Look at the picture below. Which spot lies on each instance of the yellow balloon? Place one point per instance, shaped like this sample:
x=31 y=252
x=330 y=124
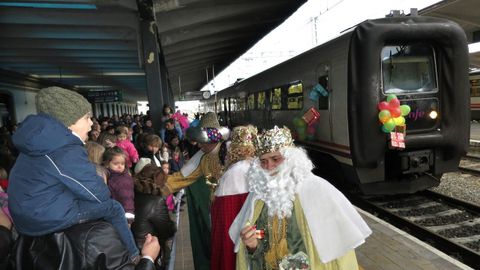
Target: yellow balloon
x=399 y=121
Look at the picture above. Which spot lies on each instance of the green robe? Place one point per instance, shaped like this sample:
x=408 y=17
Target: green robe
x=297 y=229
x=198 y=202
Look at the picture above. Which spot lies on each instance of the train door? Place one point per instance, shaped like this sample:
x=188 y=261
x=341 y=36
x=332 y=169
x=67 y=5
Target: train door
x=268 y=109
x=324 y=89
x=226 y=110
x=262 y=109
x=475 y=95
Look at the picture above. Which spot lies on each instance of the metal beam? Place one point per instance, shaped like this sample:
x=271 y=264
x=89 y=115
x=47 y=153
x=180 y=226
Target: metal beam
x=74 y=44
x=205 y=57
x=206 y=41
x=67 y=32
x=218 y=28
x=105 y=18
x=66 y=53
x=182 y=18
x=78 y=60
x=200 y=50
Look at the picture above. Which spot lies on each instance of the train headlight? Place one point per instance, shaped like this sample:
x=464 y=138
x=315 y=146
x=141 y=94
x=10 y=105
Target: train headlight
x=433 y=114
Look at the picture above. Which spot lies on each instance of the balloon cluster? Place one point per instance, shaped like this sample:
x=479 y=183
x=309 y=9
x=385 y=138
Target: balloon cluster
x=391 y=113
x=302 y=130
x=300 y=127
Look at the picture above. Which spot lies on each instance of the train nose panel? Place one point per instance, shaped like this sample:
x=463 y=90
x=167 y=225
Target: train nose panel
x=417 y=161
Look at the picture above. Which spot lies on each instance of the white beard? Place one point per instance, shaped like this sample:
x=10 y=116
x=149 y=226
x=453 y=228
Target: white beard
x=277 y=188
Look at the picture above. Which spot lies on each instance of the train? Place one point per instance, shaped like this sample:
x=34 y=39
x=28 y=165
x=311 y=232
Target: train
x=475 y=95
x=421 y=60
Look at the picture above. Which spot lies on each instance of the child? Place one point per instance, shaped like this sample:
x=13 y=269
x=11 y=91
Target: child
x=119 y=181
x=170 y=200
x=176 y=162
x=107 y=140
x=165 y=167
x=126 y=145
x=95 y=152
x=103 y=172
x=165 y=154
x=53 y=184
x=6 y=239
x=152 y=144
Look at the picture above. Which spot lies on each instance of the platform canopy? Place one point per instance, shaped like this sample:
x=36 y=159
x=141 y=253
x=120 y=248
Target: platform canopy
x=97 y=44
x=464 y=12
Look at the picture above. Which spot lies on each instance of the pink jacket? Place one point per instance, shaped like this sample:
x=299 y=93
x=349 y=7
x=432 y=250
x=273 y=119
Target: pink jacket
x=129 y=148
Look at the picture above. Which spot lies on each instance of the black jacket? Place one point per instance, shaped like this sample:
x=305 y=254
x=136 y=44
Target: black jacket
x=151 y=216
x=92 y=245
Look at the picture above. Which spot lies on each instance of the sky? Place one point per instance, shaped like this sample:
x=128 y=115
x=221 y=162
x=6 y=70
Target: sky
x=316 y=22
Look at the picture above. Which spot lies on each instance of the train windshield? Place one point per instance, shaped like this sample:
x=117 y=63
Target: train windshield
x=408 y=69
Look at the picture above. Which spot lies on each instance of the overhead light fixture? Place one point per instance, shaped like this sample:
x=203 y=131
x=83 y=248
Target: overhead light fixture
x=48 y=5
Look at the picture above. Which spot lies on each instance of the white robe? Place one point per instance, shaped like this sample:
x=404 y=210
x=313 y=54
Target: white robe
x=334 y=223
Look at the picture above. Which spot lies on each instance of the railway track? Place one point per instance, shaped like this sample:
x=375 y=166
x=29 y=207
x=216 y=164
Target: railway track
x=470 y=164
x=449 y=224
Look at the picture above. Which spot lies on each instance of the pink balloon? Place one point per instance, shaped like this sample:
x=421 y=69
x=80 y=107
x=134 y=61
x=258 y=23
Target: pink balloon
x=383 y=106
x=394 y=103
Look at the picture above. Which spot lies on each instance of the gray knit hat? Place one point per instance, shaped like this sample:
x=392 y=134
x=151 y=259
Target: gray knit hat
x=65 y=105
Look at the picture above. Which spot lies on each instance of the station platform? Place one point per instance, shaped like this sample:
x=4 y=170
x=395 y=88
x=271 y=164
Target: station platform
x=388 y=248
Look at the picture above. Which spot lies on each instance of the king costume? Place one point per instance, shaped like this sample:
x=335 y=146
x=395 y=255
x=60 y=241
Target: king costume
x=197 y=176
x=298 y=213
x=230 y=195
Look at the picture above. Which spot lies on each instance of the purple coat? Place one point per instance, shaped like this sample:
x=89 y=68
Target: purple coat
x=121 y=187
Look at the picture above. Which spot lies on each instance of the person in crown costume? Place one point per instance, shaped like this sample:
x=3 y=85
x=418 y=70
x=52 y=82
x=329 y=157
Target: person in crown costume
x=293 y=219
x=199 y=176
x=230 y=194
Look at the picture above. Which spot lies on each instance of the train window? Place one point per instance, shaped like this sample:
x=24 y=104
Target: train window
x=408 y=69
x=240 y=104
x=250 y=102
x=295 y=96
x=475 y=86
x=261 y=100
x=323 y=99
x=276 y=98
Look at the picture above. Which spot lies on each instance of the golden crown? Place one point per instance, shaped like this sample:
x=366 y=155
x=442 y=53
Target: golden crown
x=244 y=135
x=273 y=140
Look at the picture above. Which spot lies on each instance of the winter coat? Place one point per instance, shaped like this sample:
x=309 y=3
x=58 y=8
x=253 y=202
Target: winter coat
x=175 y=165
x=91 y=245
x=130 y=150
x=51 y=174
x=151 y=216
x=121 y=187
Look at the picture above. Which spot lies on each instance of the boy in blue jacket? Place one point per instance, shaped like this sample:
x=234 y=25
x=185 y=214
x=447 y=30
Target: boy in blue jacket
x=53 y=185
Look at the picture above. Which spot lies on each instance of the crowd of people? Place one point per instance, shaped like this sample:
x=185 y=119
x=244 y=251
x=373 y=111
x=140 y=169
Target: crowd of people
x=85 y=193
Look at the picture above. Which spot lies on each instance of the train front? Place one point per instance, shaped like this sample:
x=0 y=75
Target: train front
x=408 y=102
